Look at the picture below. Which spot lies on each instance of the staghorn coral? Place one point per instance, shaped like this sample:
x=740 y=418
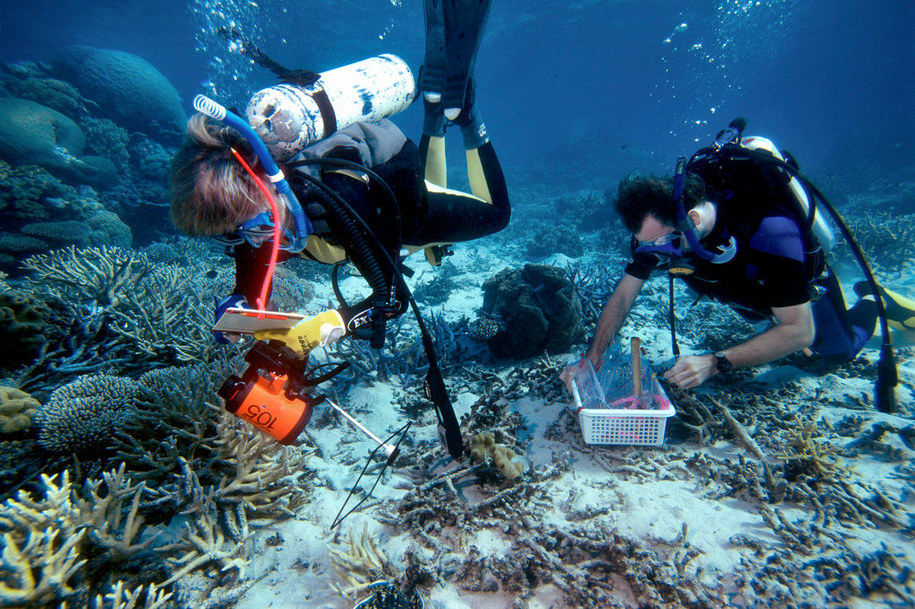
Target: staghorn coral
x=95 y=276
x=66 y=545
x=204 y=545
x=158 y=310
x=82 y=416
x=142 y=597
x=17 y=408
x=888 y=240
x=359 y=564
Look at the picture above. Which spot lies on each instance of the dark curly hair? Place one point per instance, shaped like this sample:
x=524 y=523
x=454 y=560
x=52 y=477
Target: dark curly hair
x=640 y=195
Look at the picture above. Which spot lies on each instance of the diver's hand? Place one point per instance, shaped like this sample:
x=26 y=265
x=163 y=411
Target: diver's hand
x=232 y=301
x=692 y=370
x=322 y=329
x=570 y=373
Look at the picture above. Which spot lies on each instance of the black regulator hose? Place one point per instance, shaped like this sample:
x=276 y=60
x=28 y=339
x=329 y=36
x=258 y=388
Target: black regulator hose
x=449 y=428
x=887 y=375
x=383 y=292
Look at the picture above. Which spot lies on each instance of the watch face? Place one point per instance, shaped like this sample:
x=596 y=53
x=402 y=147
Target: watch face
x=722 y=362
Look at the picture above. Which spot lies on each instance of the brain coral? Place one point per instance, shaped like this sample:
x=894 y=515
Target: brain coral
x=81 y=417
x=128 y=88
x=16 y=410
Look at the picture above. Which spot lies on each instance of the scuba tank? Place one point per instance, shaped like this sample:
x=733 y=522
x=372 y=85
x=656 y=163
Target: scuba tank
x=290 y=116
x=820 y=228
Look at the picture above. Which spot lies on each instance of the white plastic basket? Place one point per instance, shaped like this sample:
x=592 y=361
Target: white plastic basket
x=624 y=419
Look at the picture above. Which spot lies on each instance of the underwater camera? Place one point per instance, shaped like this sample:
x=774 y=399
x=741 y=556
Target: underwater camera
x=268 y=394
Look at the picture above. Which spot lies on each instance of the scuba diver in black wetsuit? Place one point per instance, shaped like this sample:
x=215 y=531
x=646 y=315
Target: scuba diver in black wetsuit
x=362 y=193
x=737 y=224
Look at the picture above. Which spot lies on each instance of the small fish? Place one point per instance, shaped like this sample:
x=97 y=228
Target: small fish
x=211 y=274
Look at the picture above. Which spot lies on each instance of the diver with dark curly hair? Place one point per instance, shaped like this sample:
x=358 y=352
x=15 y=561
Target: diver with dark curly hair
x=732 y=224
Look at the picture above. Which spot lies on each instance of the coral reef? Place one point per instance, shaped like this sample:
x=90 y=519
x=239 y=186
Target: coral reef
x=484 y=328
x=82 y=416
x=127 y=88
x=56 y=94
x=538 y=307
x=548 y=238
x=73 y=544
x=155 y=309
x=888 y=240
x=17 y=408
x=23 y=327
x=483 y=446
x=106 y=139
x=32 y=134
x=150 y=158
x=40 y=213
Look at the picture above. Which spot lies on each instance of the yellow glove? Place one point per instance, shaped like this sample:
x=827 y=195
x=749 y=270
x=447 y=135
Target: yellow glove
x=322 y=329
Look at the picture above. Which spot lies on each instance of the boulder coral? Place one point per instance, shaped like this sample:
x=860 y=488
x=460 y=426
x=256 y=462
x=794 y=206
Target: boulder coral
x=23 y=327
x=537 y=308
x=16 y=410
x=32 y=134
x=128 y=89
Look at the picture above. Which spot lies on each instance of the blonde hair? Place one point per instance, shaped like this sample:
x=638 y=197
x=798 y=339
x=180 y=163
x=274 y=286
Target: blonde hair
x=210 y=193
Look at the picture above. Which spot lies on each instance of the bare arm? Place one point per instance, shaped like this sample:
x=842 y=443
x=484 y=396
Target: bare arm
x=611 y=319
x=794 y=331
x=613 y=316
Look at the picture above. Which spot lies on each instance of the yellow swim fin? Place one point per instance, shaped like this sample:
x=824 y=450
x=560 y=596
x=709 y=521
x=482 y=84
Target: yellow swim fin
x=900 y=311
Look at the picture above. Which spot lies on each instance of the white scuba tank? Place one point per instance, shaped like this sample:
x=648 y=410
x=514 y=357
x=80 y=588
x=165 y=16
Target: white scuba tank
x=289 y=117
x=821 y=229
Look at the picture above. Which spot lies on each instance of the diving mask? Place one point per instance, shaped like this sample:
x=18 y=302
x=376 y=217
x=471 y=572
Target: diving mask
x=256 y=231
x=671 y=245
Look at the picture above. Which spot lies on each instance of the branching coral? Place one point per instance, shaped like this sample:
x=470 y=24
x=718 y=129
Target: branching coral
x=44 y=545
x=204 y=545
x=83 y=415
x=93 y=276
x=156 y=309
x=359 y=564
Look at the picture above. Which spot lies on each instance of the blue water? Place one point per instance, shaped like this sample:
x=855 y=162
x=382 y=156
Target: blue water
x=590 y=89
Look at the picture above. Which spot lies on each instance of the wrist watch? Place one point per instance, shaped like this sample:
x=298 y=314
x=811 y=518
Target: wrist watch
x=722 y=363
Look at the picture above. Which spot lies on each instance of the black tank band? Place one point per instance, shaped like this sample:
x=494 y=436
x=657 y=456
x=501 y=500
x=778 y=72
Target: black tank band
x=327 y=110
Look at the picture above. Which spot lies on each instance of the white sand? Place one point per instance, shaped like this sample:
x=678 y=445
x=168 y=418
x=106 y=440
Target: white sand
x=297 y=573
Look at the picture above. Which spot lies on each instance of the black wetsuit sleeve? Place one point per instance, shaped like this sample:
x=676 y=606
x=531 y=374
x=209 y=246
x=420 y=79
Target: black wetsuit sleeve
x=251 y=267
x=641 y=265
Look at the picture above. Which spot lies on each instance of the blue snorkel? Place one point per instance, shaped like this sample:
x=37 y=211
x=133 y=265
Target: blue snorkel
x=687 y=228
x=303 y=226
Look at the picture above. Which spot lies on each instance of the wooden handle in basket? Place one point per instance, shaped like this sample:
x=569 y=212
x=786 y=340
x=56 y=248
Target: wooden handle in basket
x=636 y=367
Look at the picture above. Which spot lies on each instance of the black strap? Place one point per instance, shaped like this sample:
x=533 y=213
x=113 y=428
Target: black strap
x=304 y=78
x=327 y=110
x=673 y=317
